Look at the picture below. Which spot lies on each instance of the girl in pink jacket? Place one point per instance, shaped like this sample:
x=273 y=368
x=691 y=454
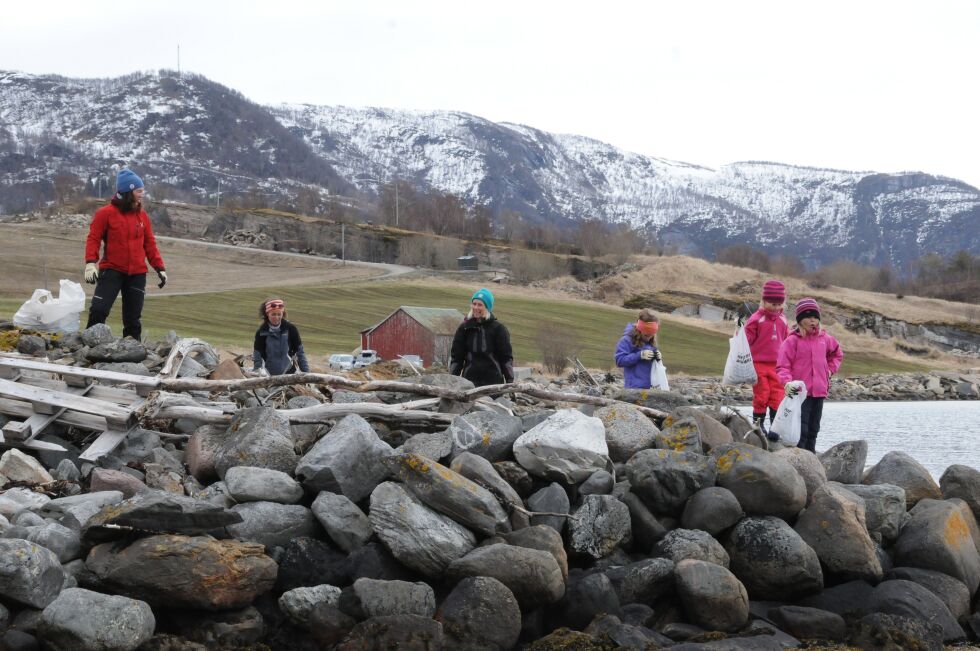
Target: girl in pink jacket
x=811 y=355
x=765 y=331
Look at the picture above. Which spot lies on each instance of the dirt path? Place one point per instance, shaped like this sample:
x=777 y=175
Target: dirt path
x=37 y=255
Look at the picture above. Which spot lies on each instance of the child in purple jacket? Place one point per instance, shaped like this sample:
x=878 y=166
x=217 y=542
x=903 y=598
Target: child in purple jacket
x=637 y=349
x=812 y=355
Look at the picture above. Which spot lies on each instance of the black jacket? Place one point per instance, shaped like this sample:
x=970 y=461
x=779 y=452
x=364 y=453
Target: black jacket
x=481 y=352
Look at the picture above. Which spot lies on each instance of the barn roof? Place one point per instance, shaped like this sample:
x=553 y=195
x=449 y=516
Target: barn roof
x=439 y=320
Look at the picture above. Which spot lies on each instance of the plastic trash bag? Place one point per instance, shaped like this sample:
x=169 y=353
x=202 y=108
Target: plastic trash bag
x=42 y=311
x=787 y=423
x=658 y=376
x=739 y=368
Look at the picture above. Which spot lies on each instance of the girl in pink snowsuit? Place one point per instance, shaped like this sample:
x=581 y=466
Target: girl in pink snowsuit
x=812 y=355
x=765 y=331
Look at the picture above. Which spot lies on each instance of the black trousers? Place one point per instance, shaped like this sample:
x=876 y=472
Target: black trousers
x=133 y=288
x=810 y=414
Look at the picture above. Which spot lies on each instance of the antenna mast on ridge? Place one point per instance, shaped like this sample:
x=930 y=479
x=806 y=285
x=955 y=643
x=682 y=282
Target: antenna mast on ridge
x=178 y=59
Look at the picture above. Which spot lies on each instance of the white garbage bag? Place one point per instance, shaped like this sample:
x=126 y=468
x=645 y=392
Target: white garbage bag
x=787 y=423
x=42 y=311
x=658 y=376
x=739 y=368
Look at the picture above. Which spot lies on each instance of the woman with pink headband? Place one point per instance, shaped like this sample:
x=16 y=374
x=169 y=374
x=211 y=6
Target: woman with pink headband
x=637 y=350
x=277 y=345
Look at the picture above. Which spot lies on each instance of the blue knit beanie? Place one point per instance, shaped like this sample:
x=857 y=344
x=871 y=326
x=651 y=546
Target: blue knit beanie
x=127 y=181
x=483 y=294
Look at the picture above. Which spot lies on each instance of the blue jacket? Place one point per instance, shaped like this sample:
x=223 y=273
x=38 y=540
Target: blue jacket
x=636 y=371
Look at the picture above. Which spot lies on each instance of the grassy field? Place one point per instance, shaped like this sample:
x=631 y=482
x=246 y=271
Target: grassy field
x=330 y=318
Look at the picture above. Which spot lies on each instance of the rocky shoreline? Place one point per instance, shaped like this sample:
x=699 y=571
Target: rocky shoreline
x=936 y=385
x=558 y=517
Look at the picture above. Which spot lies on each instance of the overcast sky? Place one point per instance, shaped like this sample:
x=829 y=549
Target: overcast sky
x=861 y=85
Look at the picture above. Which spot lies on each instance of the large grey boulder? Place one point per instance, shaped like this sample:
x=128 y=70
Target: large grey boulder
x=628 y=431
x=98 y=334
x=937 y=537
x=64 y=542
x=952 y=592
x=844 y=462
x=900 y=469
x=200 y=452
x=373 y=598
x=417 y=536
x=480 y=614
x=489 y=434
x=109 y=623
x=402 y=632
x=884 y=510
x=482 y=472
x=544 y=539
x=834 y=526
x=712 y=509
x=82 y=507
x=346 y=524
x=644 y=581
x=680 y=544
x=119 y=350
x=18 y=499
x=347 y=460
x=681 y=435
x=550 y=499
x=772 y=560
x=298 y=604
x=160 y=512
x=104 y=479
x=763 y=483
x=432 y=445
x=599 y=526
x=884 y=631
x=962 y=482
x=533 y=576
x=807 y=465
x=184 y=571
x=29 y=574
x=261 y=438
x=665 y=479
x=809 y=623
x=713 y=597
x=711 y=431
x=273 y=524
x=569 y=446
x=909 y=599
x=17 y=466
x=251 y=484
x=450 y=493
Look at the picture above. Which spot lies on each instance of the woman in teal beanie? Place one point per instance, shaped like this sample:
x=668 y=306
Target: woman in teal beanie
x=481 y=350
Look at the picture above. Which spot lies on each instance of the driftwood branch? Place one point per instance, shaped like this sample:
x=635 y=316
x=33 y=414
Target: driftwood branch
x=182 y=349
x=192 y=384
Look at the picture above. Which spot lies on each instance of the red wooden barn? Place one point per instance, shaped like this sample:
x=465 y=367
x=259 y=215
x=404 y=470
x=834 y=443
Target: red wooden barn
x=423 y=331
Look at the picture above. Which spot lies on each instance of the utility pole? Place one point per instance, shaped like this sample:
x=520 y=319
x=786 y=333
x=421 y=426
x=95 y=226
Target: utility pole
x=343 y=241
x=219 y=193
x=396 y=203
x=178 y=60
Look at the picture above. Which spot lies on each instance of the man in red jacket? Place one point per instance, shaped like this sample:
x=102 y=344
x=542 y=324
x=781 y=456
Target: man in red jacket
x=124 y=228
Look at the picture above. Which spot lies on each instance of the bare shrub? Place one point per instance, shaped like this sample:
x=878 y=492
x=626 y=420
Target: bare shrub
x=556 y=344
x=527 y=266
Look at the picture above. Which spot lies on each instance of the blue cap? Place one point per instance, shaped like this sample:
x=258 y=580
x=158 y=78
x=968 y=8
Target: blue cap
x=483 y=294
x=127 y=181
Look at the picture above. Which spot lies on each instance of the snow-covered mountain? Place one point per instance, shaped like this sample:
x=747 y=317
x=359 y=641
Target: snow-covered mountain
x=192 y=132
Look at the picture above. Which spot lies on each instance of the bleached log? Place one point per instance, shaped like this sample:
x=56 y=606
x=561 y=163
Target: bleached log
x=192 y=384
x=182 y=349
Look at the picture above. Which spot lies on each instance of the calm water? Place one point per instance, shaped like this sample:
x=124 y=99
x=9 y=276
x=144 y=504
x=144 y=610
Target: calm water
x=936 y=434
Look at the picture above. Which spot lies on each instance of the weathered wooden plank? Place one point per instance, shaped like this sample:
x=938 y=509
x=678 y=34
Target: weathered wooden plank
x=111 y=377
x=16 y=430
x=34 y=444
x=106 y=443
x=19 y=409
x=37 y=395
x=39 y=422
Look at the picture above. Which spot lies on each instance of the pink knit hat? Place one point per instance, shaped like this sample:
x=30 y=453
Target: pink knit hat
x=807 y=307
x=774 y=291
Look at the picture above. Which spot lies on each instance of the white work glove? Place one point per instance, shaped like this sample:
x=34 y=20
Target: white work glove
x=163 y=278
x=657 y=356
x=791 y=389
x=646 y=354
x=91 y=272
